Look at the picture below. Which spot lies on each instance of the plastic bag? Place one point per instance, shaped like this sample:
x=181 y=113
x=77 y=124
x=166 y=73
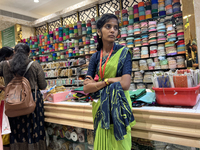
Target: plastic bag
x=5 y=122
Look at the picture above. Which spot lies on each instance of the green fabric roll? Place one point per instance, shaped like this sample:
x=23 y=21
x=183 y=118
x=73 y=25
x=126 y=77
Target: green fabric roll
x=154 y=11
x=131 y=16
x=134 y=95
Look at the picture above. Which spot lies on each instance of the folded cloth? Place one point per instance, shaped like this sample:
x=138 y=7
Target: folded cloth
x=164 y=81
x=148 y=98
x=134 y=95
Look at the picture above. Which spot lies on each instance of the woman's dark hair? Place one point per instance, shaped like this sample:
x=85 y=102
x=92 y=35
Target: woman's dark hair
x=5 y=52
x=100 y=23
x=20 y=59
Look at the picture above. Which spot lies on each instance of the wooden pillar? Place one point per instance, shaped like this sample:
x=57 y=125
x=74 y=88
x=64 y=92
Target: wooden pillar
x=78 y=18
x=61 y=21
x=97 y=9
x=47 y=25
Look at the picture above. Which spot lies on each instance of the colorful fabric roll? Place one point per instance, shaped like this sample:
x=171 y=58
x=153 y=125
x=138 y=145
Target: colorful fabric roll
x=161 y=50
x=144 y=52
x=176 y=7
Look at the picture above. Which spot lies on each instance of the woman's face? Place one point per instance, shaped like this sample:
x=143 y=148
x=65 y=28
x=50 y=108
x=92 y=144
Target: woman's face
x=109 y=31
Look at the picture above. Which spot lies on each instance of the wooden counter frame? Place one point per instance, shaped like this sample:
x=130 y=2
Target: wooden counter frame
x=181 y=128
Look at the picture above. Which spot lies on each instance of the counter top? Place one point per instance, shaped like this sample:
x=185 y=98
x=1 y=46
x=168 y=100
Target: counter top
x=166 y=124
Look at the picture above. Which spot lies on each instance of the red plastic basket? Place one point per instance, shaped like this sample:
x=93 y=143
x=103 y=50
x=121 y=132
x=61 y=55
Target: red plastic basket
x=177 y=96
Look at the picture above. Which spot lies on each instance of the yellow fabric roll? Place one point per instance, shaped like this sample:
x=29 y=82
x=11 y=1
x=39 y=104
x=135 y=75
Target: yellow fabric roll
x=148 y=16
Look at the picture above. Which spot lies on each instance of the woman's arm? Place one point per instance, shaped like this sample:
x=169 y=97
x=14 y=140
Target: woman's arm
x=125 y=81
x=94 y=87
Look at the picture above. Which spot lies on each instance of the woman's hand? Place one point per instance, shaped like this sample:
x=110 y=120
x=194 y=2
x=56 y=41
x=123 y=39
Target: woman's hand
x=90 y=80
x=2 y=87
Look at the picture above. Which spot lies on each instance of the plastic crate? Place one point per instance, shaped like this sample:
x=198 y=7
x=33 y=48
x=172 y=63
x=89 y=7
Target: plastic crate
x=177 y=96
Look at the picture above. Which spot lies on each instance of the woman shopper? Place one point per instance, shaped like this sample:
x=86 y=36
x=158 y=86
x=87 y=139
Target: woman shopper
x=27 y=132
x=6 y=53
x=112 y=113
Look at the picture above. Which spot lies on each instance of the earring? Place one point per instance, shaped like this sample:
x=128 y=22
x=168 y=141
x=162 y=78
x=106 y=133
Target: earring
x=99 y=36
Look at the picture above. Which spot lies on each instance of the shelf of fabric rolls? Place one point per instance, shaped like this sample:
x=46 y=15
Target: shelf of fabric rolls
x=172 y=125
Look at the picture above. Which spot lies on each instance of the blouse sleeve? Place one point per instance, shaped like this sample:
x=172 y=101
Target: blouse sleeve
x=41 y=78
x=92 y=66
x=127 y=69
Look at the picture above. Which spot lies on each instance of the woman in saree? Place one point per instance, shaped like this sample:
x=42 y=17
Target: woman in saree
x=111 y=111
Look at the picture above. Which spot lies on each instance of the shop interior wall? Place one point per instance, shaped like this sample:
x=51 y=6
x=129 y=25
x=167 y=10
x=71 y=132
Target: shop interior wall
x=27 y=32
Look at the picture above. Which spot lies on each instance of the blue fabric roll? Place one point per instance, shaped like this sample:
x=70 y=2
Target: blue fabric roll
x=141 y=13
x=141 y=8
x=154 y=2
x=162 y=13
x=168 y=2
x=136 y=19
x=131 y=21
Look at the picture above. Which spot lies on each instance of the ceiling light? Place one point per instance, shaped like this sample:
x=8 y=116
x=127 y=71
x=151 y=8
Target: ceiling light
x=189 y=15
x=36 y=1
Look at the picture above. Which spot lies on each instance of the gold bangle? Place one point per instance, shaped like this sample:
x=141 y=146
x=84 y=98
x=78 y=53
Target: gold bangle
x=96 y=86
x=106 y=80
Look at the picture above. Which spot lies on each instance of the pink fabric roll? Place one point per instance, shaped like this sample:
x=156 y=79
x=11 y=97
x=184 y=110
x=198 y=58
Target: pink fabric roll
x=136 y=11
x=60 y=38
x=152 y=23
x=148 y=12
x=162 y=39
x=124 y=35
x=152 y=30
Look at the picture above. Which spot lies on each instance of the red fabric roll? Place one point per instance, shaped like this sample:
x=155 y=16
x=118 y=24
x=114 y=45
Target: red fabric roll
x=142 y=18
x=124 y=11
x=136 y=11
x=125 y=22
x=140 y=4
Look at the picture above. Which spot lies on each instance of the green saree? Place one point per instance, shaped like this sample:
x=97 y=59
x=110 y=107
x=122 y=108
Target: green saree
x=112 y=136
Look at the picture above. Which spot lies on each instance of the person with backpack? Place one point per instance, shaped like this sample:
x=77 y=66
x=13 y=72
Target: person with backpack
x=6 y=53
x=22 y=77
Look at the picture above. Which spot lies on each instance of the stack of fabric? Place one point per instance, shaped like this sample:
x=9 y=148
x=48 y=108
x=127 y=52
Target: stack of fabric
x=153 y=38
x=71 y=31
x=89 y=28
x=154 y=8
x=130 y=30
x=152 y=26
x=170 y=48
x=161 y=50
x=129 y=42
x=181 y=47
x=171 y=62
x=161 y=32
x=145 y=39
x=144 y=52
x=135 y=65
x=136 y=13
x=75 y=29
x=124 y=32
x=79 y=27
x=131 y=15
x=94 y=27
x=180 y=61
x=136 y=53
x=148 y=77
x=150 y=64
x=176 y=6
x=148 y=10
x=84 y=28
x=153 y=51
x=143 y=65
x=161 y=8
x=164 y=63
x=122 y=42
x=67 y=31
x=138 y=77
x=117 y=13
x=157 y=63
x=138 y=42
x=180 y=32
x=144 y=27
x=171 y=32
x=125 y=17
x=168 y=7
x=136 y=28
x=141 y=11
